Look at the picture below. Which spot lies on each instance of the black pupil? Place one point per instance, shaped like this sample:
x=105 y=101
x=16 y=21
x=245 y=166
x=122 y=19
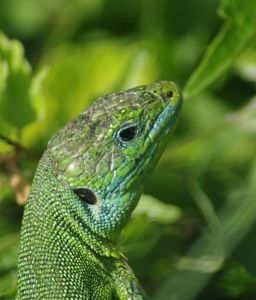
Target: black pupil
x=86 y=195
x=127 y=134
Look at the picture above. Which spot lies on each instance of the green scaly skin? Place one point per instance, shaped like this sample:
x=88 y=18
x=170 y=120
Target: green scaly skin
x=69 y=246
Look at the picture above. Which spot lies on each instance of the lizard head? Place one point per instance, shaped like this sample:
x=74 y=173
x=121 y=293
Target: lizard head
x=106 y=152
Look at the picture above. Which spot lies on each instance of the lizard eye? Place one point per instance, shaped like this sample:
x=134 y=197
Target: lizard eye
x=127 y=133
x=85 y=195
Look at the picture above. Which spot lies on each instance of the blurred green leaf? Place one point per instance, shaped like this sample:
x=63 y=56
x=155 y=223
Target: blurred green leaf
x=30 y=17
x=246 y=65
x=149 y=215
x=208 y=254
x=140 y=236
x=237 y=34
x=15 y=76
x=9 y=245
x=237 y=280
x=157 y=211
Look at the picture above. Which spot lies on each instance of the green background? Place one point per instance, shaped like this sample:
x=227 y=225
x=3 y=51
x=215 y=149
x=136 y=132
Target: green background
x=192 y=235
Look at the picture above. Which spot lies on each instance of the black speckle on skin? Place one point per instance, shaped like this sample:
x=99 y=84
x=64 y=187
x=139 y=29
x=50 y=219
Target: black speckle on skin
x=93 y=127
x=86 y=117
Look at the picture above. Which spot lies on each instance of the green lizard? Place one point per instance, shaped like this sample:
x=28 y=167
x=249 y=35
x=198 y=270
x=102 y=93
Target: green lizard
x=87 y=184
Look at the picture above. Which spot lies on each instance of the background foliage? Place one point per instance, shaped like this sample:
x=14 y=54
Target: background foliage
x=193 y=233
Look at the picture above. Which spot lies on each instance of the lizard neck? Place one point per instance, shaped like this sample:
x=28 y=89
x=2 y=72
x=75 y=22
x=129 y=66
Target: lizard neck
x=57 y=241
x=58 y=248
x=57 y=201
x=103 y=220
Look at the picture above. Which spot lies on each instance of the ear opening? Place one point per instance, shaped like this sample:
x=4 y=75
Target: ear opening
x=86 y=195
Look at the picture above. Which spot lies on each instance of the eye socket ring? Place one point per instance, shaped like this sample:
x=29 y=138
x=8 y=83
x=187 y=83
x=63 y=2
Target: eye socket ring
x=127 y=133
